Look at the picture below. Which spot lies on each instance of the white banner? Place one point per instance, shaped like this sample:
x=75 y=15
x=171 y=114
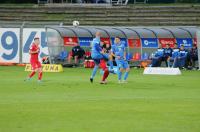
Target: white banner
x=161 y=71
x=9 y=45
x=28 y=35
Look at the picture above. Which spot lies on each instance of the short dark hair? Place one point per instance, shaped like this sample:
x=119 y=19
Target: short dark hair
x=118 y=37
x=37 y=38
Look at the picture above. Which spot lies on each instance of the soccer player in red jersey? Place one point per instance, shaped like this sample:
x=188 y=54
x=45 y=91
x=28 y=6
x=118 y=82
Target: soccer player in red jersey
x=35 y=63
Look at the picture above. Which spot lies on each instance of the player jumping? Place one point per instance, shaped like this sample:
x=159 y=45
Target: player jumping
x=98 y=54
x=35 y=64
x=119 y=51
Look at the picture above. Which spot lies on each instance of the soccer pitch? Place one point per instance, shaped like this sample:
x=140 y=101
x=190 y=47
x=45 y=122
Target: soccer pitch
x=68 y=102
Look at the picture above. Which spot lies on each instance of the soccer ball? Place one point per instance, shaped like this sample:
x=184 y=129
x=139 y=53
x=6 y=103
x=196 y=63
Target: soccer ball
x=75 y=23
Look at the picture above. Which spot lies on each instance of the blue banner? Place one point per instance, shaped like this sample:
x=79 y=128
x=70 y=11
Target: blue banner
x=85 y=41
x=123 y=41
x=187 y=42
x=149 y=42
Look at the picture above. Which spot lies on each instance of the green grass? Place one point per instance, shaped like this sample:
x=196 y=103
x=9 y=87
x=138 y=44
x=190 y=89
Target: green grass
x=67 y=102
x=22 y=5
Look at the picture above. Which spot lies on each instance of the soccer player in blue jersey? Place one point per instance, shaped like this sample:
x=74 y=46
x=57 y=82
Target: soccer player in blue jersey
x=167 y=54
x=157 y=58
x=119 y=51
x=175 y=54
x=97 y=55
x=182 y=57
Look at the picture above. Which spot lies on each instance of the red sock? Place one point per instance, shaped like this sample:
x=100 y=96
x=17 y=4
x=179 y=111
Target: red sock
x=105 y=75
x=32 y=74
x=40 y=76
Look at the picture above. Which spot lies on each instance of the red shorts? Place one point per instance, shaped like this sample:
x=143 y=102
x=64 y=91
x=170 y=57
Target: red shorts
x=35 y=65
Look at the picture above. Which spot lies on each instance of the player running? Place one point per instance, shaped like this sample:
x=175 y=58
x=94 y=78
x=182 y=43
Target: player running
x=119 y=51
x=35 y=64
x=99 y=54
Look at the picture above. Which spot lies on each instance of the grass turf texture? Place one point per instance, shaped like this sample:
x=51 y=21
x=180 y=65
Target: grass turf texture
x=67 y=102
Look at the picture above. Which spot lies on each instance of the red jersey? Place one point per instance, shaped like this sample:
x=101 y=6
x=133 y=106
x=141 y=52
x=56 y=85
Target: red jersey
x=33 y=48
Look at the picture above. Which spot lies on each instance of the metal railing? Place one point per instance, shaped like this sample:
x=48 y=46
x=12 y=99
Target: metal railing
x=119 y=2
x=85 y=2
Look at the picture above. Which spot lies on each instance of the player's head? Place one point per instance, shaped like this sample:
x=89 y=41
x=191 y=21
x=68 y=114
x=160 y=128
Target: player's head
x=98 y=34
x=167 y=46
x=160 y=46
x=117 y=40
x=37 y=40
x=182 y=47
x=107 y=45
x=175 y=45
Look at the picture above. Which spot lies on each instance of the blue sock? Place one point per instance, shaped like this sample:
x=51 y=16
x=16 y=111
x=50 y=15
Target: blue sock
x=94 y=71
x=126 y=75
x=119 y=75
x=111 y=64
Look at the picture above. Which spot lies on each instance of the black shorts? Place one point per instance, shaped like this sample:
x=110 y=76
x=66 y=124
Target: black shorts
x=97 y=61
